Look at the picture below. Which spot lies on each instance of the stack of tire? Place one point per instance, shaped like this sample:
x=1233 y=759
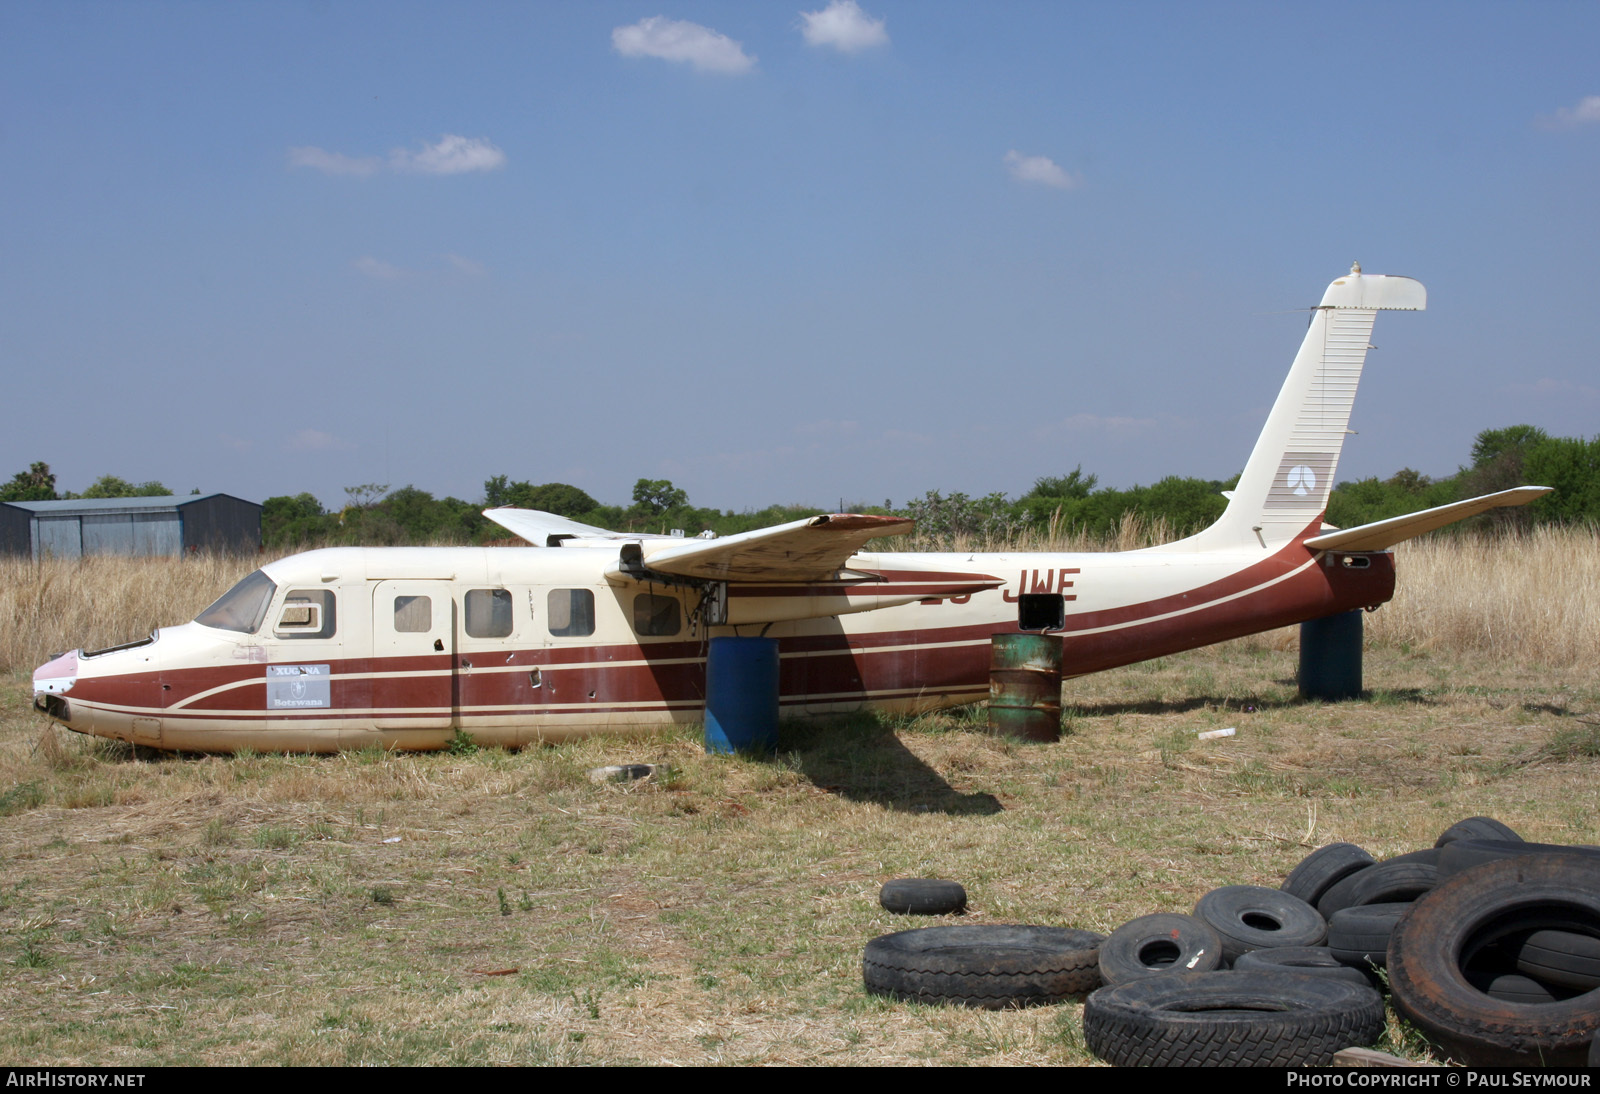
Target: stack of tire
x=1492 y=949
x=1242 y=982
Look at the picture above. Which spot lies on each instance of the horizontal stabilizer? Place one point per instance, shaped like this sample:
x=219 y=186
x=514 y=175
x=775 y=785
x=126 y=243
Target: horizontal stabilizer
x=814 y=549
x=1386 y=533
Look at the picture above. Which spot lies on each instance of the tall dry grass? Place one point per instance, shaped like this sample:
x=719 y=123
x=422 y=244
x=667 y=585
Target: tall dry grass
x=1134 y=530
x=89 y=603
x=1531 y=599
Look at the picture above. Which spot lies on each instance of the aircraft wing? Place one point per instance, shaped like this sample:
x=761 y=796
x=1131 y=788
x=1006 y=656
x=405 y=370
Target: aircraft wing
x=548 y=530
x=1386 y=533
x=813 y=549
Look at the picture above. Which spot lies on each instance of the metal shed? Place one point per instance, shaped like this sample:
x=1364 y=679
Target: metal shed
x=168 y=525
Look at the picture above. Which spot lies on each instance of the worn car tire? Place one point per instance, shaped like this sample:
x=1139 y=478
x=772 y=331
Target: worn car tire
x=922 y=896
x=1230 y=1019
x=1476 y=828
x=1513 y=987
x=1429 y=855
x=1446 y=929
x=1304 y=961
x=1159 y=945
x=992 y=967
x=1360 y=936
x=1564 y=958
x=1464 y=854
x=1323 y=868
x=1392 y=883
x=1251 y=917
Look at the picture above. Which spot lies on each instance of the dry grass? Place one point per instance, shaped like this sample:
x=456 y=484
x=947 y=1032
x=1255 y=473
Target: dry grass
x=500 y=908
x=1134 y=531
x=1531 y=598
x=63 y=604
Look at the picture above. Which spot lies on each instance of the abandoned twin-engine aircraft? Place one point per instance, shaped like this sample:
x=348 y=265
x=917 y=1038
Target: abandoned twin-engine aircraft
x=592 y=630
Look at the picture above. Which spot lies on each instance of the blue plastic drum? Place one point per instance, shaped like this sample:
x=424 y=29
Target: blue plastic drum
x=742 y=695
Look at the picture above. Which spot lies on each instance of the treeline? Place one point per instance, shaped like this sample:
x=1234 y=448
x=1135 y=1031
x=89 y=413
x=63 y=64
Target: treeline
x=377 y=516
x=1521 y=455
x=38 y=483
x=1069 y=504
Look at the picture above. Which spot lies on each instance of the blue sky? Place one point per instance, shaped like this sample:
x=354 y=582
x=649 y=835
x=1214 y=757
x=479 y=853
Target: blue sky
x=777 y=252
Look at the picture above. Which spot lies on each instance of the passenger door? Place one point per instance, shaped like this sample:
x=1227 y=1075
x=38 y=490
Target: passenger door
x=413 y=667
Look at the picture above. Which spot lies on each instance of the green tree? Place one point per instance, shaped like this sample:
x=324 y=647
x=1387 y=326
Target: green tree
x=560 y=498
x=1492 y=444
x=110 y=486
x=652 y=497
x=296 y=521
x=37 y=483
x=1572 y=466
x=365 y=496
x=1499 y=458
x=1074 y=484
x=1367 y=500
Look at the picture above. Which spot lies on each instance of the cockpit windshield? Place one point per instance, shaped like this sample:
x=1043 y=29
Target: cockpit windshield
x=241 y=608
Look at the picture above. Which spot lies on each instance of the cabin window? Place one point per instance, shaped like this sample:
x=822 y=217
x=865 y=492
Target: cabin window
x=241 y=608
x=656 y=615
x=488 y=613
x=571 y=612
x=413 y=614
x=306 y=613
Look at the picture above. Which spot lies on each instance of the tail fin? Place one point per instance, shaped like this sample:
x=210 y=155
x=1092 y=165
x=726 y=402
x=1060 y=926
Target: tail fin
x=1285 y=485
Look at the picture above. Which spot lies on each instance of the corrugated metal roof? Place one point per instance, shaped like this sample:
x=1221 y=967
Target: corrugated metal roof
x=163 y=503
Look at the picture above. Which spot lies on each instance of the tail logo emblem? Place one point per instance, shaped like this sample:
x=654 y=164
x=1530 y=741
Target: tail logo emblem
x=1302 y=480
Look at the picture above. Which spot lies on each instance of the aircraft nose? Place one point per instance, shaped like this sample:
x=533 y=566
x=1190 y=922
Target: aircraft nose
x=57 y=675
x=52 y=680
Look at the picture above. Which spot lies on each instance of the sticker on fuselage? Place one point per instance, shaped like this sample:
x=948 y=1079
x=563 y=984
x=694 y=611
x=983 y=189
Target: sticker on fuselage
x=298 y=687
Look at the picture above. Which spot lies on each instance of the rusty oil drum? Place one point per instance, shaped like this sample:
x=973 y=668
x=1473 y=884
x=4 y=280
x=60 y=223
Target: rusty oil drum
x=1025 y=686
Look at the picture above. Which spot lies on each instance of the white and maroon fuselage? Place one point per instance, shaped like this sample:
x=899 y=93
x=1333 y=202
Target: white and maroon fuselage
x=209 y=688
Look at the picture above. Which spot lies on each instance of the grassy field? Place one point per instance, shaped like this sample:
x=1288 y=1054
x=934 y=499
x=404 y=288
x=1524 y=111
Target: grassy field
x=502 y=908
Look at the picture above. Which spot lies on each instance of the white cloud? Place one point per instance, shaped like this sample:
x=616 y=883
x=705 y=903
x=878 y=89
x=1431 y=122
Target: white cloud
x=332 y=163
x=452 y=155
x=1040 y=169
x=374 y=267
x=844 y=26
x=1586 y=112
x=674 y=40
x=467 y=266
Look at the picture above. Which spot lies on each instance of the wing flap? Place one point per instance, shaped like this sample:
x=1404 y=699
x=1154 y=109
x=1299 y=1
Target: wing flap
x=1386 y=533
